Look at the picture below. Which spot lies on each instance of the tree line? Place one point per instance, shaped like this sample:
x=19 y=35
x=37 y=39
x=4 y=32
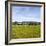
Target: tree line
x=29 y=23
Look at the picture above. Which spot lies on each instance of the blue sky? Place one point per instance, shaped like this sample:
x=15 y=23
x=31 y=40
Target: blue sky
x=25 y=13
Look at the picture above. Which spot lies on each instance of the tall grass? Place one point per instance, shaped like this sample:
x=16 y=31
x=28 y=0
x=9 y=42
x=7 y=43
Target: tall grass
x=25 y=31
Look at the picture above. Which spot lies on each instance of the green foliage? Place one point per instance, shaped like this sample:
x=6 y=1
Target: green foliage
x=25 y=31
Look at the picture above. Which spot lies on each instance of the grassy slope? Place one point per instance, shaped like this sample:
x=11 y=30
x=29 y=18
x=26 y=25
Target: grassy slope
x=25 y=31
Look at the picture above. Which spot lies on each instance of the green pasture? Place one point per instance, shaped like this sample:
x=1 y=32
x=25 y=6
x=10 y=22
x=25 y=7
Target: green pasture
x=25 y=31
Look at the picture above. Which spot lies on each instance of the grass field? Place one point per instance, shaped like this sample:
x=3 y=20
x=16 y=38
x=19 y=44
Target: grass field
x=25 y=31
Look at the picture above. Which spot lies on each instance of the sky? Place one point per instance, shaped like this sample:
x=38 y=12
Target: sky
x=25 y=13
